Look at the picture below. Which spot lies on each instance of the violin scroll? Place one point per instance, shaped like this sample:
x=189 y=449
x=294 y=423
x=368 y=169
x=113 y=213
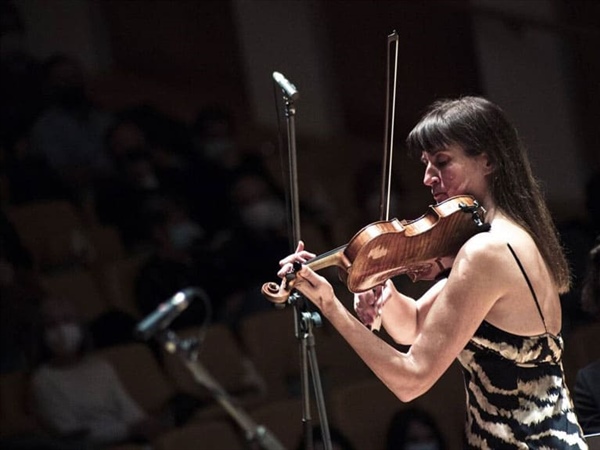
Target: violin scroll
x=275 y=293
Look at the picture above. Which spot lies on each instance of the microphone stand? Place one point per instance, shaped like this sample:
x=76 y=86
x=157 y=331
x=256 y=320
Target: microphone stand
x=187 y=350
x=304 y=319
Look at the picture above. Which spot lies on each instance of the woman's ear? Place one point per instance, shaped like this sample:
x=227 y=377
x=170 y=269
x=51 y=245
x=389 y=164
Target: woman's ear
x=487 y=164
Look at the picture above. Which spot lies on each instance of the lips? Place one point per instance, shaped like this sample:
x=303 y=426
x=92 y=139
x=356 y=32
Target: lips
x=440 y=196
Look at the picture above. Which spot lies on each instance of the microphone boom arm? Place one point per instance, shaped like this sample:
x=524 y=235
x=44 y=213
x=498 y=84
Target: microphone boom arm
x=187 y=351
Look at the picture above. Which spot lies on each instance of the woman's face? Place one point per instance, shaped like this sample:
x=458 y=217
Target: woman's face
x=450 y=172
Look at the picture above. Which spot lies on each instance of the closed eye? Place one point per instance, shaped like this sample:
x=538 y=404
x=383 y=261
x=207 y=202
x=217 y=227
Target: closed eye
x=440 y=160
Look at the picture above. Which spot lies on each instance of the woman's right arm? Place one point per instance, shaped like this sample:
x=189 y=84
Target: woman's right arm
x=401 y=315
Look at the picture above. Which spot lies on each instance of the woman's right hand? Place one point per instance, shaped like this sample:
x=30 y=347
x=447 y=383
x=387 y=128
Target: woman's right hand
x=368 y=305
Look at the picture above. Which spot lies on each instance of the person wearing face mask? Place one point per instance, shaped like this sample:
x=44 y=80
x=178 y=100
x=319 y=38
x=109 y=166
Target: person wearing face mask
x=126 y=194
x=78 y=396
x=178 y=261
x=259 y=229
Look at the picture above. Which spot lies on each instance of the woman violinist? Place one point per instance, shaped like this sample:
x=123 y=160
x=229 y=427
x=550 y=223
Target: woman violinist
x=497 y=312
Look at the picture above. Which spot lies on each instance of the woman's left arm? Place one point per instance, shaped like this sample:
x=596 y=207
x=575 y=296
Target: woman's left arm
x=476 y=282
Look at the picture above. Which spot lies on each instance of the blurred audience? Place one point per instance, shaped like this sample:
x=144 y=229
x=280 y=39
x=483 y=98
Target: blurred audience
x=27 y=178
x=178 y=261
x=69 y=134
x=586 y=392
x=149 y=154
x=215 y=160
x=414 y=429
x=258 y=229
x=127 y=196
x=20 y=295
x=590 y=294
x=578 y=237
x=20 y=77
x=78 y=395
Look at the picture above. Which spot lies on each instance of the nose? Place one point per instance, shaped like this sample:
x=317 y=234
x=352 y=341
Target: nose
x=431 y=176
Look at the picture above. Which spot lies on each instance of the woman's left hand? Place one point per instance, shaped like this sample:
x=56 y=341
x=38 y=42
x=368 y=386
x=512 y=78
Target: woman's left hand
x=315 y=287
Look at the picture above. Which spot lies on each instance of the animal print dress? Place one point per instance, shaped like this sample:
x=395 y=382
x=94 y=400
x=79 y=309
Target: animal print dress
x=517 y=397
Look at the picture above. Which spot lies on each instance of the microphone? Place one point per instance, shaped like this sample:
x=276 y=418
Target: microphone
x=164 y=314
x=289 y=89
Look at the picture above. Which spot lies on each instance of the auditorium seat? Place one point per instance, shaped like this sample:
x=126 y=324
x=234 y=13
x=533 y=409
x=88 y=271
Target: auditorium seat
x=362 y=412
x=15 y=415
x=283 y=418
x=118 y=280
x=78 y=286
x=58 y=238
x=106 y=243
x=271 y=343
x=581 y=349
x=128 y=447
x=225 y=362
x=213 y=435
x=141 y=375
x=445 y=401
x=51 y=230
x=338 y=362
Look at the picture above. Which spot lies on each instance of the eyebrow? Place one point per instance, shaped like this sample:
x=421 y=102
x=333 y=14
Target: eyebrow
x=432 y=152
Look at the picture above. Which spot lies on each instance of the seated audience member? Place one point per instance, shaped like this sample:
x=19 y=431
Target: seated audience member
x=28 y=179
x=577 y=237
x=258 y=230
x=69 y=134
x=217 y=159
x=414 y=429
x=124 y=198
x=586 y=395
x=175 y=263
x=79 y=396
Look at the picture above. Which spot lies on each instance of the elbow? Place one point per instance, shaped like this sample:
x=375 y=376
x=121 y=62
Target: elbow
x=414 y=384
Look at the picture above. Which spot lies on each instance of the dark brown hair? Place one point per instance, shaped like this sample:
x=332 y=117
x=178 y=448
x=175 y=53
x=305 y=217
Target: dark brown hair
x=479 y=126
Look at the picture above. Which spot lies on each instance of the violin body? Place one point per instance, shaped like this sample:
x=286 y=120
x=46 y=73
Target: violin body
x=385 y=249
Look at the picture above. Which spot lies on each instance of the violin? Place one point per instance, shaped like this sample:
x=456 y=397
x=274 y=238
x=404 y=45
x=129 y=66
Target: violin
x=385 y=249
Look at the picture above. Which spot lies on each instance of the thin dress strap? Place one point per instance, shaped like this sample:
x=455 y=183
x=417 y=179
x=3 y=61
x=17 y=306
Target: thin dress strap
x=528 y=284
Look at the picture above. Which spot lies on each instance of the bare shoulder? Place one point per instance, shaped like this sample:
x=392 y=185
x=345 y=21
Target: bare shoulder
x=483 y=250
